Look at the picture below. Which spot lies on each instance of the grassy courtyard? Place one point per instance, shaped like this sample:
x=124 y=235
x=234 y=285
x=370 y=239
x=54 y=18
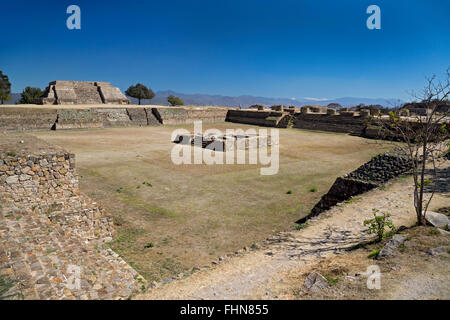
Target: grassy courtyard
x=171 y=218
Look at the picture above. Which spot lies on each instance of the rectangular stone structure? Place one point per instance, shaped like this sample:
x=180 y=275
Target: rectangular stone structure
x=82 y=92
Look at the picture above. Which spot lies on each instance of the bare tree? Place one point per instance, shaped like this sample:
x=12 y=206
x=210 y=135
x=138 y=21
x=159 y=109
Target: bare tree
x=422 y=137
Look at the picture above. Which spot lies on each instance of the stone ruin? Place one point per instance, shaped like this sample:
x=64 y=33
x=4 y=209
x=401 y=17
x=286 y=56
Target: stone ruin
x=372 y=174
x=82 y=92
x=225 y=143
x=47 y=225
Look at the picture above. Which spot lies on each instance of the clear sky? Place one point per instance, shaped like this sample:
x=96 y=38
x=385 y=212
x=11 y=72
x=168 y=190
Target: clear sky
x=284 y=48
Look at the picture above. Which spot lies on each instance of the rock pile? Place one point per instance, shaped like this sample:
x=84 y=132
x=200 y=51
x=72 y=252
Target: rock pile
x=381 y=169
x=370 y=175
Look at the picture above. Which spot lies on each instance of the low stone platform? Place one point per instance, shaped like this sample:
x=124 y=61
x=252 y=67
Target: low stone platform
x=225 y=143
x=82 y=92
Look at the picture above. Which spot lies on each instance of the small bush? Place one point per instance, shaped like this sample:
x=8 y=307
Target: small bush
x=149 y=245
x=433 y=232
x=313 y=189
x=289 y=192
x=301 y=226
x=332 y=281
x=378 y=224
x=352 y=200
x=374 y=253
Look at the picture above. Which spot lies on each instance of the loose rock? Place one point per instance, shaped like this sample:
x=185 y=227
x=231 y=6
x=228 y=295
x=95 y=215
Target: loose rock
x=390 y=249
x=436 y=219
x=316 y=282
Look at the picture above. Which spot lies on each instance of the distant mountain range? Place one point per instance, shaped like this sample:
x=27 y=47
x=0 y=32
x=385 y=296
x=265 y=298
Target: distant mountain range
x=14 y=98
x=247 y=100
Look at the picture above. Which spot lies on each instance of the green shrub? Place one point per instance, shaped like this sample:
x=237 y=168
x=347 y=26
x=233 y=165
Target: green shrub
x=332 y=281
x=374 y=253
x=149 y=245
x=378 y=224
x=433 y=232
x=301 y=226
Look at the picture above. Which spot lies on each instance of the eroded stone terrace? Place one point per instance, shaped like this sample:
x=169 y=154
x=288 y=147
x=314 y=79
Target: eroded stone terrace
x=49 y=230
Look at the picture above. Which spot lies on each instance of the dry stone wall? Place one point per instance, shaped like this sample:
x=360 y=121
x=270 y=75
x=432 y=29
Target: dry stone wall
x=20 y=119
x=173 y=115
x=48 y=227
x=266 y=118
x=138 y=116
x=78 y=119
x=316 y=119
x=345 y=123
x=44 y=183
x=30 y=118
x=372 y=174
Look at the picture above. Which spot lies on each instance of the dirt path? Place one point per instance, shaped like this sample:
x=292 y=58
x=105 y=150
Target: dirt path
x=252 y=274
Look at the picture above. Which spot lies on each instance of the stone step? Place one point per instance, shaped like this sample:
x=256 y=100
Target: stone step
x=88 y=95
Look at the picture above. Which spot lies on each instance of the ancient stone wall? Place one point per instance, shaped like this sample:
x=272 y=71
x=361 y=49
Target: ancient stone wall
x=138 y=116
x=78 y=119
x=267 y=118
x=47 y=226
x=172 y=115
x=345 y=123
x=377 y=171
x=310 y=118
x=341 y=190
x=114 y=117
x=32 y=118
x=29 y=118
x=20 y=119
x=41 y=180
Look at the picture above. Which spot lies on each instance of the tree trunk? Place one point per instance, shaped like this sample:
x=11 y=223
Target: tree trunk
x=421 y=219
x=139 y=101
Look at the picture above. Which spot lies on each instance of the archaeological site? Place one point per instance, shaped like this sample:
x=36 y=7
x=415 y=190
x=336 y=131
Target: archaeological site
x=88 y=192
x=225 y=159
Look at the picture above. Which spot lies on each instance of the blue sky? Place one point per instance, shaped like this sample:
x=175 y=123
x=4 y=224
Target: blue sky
x=291 y=49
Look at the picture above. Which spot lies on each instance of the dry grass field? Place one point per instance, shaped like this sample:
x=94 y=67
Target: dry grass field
x=171 y=218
